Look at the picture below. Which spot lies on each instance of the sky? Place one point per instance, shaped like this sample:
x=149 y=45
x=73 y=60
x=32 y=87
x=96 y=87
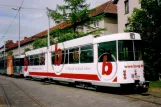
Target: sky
x=32 y=21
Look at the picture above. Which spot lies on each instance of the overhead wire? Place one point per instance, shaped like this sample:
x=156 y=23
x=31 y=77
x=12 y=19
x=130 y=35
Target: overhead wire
x=10 y=6
x=9 y=26
x=11 y=21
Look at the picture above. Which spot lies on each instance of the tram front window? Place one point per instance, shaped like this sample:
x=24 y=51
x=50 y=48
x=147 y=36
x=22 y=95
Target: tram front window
x=107 y=49
x=129 y=50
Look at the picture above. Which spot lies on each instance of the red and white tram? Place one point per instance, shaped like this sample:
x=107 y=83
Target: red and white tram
x=112 y=60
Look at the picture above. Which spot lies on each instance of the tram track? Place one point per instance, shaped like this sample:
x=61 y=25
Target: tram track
x=5 y=96
x=25 y=92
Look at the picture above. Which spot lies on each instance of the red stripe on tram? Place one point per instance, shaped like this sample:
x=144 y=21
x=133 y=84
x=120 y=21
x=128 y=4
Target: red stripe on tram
x=66 y=75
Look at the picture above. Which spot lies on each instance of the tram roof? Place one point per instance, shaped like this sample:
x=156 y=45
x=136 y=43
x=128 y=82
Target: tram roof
x=118 y=36
x=21 y=56
x=37 y=51
x=88 y=40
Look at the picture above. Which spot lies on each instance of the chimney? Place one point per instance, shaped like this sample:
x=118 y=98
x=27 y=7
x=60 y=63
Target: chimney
x=9 y=41
x=25 y=37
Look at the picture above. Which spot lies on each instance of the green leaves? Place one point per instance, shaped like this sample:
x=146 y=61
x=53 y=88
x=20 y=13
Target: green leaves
x=39 y=43
x=77 y=13
x=10 y=53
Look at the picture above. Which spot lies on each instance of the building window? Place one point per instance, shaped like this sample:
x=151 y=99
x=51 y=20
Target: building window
x=127 y=26
x=126 y=6
x=88 y=28
x=96 y=24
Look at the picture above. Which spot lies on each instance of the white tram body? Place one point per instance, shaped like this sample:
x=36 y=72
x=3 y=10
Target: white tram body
x=32 y=62
x=111 y=60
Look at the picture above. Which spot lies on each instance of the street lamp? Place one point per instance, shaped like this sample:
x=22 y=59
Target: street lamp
x=19 y=29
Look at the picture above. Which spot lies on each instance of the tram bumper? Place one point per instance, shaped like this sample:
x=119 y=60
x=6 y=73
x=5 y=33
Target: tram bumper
x=142 y=84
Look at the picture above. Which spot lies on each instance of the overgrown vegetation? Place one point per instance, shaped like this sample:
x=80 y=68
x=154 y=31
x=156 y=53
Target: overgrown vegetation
x=10 y=53
x=155 y=84
x=146 y=21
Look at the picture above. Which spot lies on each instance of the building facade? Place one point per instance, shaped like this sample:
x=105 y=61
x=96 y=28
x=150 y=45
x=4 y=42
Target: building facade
x=125 y=9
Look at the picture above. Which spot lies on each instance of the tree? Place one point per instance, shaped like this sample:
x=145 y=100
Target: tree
x=39 y=43
x=10 y=53
x=146 y=21
x=76 y=14
x=26 y=49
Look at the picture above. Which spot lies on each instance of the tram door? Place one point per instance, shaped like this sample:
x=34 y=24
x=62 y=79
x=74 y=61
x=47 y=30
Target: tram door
x=107 y=66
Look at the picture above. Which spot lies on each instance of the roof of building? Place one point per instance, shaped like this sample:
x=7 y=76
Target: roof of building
x=107 y=7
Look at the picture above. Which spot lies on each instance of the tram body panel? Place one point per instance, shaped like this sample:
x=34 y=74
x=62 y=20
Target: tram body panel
x=10 y=66
x=130 y=71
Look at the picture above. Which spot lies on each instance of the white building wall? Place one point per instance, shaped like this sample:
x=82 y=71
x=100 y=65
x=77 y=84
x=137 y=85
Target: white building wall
x=122 y=17
x=16 y=52
x=111 y=25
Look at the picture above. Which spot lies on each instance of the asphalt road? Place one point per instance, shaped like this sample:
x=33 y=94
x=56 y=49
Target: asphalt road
x=28 y=93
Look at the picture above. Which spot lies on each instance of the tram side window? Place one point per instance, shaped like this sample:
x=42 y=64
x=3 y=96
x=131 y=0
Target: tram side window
x=86 y=54
x=36 y=59
x=31 y=60
x=1 y=64
x=52 y=57
x=22 y=61
x=74 y=55
x=16 y=62
x=64 y=55
x=107 y=49
x=42 y=59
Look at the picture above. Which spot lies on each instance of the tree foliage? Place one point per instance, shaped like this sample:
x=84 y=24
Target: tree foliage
x=42 y=42
x=146 y=21
x=75 y=12
x=10 y=53
x=39 y=43
x=26 y=49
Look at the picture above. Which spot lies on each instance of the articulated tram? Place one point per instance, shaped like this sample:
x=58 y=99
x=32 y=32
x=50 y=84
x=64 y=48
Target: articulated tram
x=112 y=60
